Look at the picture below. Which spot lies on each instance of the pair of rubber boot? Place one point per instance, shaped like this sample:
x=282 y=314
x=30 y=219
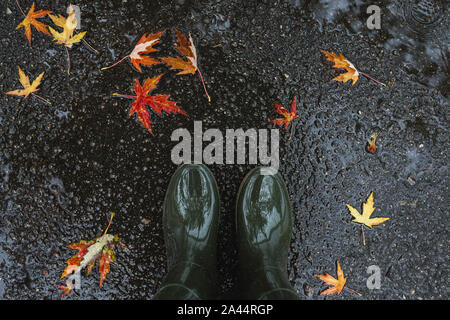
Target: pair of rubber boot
x=190 y=222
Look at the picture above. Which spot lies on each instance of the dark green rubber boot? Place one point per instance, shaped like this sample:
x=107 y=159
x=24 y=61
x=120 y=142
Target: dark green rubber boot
x=190 y=222
x=264 y=227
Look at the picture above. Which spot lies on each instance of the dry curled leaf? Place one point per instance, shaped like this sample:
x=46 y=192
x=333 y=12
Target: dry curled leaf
x=288 y=117
x=352 y=73
x=30 y=19
x=158 y=102
x=144 y=45
x=100 y=249
x=188 y=65
x=371 y=147
x=368 y=209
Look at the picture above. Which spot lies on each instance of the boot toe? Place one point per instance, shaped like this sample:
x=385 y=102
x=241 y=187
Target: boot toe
x=264 y=220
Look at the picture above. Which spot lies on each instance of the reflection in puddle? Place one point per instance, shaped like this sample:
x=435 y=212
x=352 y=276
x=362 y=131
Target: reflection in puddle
x=415 y=32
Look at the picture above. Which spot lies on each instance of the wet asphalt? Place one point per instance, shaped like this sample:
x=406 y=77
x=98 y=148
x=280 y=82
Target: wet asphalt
x=64 y=167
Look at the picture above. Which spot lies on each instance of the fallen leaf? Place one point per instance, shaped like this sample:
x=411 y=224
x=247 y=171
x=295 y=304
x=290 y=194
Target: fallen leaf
x=188 y=65
x=27 y=87
x=287 y=116
x=68 y=25
x=371 y=147
x=66 y=289
x=30 y=19
x=67 y=36
x=100 y=249
x=364 y=218
x=142 y=98
x=144 y=45
x=337 y=284
x=352 y=73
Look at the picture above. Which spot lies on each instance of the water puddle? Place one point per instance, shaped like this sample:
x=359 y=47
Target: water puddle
x=415 y=32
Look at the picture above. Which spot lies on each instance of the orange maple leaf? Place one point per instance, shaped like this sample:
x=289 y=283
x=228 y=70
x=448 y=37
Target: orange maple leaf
x=288 y=116
x=352 y=73
x=30 y=19
x=27 y=87
x=144 y=45
x=158 y=103
x=188 y=66
x=337 y=284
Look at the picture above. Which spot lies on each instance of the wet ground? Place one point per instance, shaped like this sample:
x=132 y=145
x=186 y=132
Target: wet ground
x=64 y=167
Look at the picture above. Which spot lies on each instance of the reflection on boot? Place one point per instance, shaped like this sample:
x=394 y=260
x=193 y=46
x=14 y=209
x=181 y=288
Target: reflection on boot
x=190 y=223
x=264 y=227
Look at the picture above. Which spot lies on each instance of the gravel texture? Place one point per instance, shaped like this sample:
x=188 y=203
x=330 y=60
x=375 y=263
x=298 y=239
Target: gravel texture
x=64 y=167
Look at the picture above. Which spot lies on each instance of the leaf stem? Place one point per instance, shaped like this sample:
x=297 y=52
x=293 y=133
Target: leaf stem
x=110 y=220
x=203 y=82
x=115 y=64
x=369 y=77
x=17 y=2
x=363 y=235
x=123 y=95
x=89 y=46
x=68 y=60
x=351 y=290
x=43 y=99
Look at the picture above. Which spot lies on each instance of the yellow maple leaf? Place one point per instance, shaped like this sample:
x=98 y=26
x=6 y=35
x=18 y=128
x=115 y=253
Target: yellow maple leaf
x=68 y=25
x=368 y=209
x=28 y=88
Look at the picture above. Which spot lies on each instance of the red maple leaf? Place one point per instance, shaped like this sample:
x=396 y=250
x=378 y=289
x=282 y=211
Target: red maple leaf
x=158 y=102
x=287 y=116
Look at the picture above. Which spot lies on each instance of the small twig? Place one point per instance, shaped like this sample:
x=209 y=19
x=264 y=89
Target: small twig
x=17 y=2
x=369 y=77
x=89 y=46
x=43 y=99
x=204 y=87
x=115 y=64
x=68 y=60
